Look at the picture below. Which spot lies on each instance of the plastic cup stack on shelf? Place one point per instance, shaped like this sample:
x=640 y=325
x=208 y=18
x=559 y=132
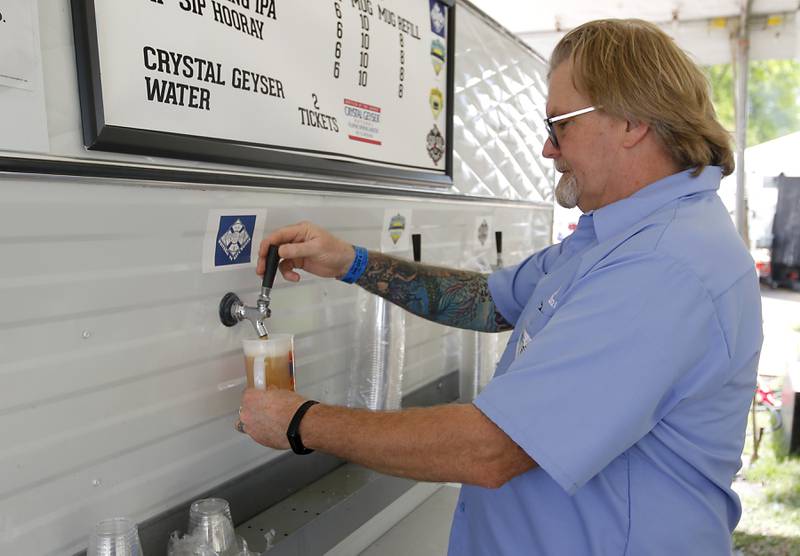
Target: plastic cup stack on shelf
x=117 y=536
x=210 y=519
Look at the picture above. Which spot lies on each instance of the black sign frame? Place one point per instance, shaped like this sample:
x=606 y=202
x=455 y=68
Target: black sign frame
x=98 y=135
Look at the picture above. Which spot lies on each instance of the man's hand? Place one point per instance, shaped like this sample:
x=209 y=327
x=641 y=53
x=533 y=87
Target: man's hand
x=265 y=415
x=309 y=247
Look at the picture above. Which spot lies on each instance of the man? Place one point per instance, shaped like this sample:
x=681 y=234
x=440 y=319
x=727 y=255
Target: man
x=646 y=321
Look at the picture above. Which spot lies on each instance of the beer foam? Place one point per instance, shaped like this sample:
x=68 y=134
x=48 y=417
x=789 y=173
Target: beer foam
x=276 y=345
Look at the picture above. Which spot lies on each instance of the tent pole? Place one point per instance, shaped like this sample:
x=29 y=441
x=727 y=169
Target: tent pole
x=741 y=52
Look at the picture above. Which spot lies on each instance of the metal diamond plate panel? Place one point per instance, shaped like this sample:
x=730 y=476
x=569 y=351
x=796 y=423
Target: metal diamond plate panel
x=500 y=94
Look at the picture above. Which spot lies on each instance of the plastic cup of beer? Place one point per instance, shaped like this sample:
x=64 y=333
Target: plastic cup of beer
x=117 y=536
x=270 y=362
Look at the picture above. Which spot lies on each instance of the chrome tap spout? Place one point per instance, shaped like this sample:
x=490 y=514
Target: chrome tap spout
x=233 y=311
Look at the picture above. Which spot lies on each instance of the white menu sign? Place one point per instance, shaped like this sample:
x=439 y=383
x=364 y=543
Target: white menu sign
x=358 y=80
x=18 y=61
x=23 y=115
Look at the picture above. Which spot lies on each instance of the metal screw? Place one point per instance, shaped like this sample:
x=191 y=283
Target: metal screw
x=86 y=335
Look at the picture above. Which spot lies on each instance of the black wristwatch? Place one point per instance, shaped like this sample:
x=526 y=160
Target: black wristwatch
x=293 y=432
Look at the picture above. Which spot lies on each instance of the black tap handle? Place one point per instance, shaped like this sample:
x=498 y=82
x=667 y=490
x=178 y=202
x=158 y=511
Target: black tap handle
x=416 y=244
x=272 y=267
x=498 y=240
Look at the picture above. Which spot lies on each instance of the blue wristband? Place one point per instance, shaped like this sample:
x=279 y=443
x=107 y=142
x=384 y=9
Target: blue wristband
x=358 y=267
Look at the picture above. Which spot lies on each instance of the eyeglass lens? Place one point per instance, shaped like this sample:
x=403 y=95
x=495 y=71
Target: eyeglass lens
x=552 y=133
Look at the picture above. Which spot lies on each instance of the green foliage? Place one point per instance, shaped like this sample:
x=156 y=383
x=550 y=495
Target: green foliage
x=781 y=479
x=770 y=493
x=773 y=91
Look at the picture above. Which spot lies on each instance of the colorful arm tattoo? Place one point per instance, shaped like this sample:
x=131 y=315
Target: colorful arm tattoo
x=457 y=298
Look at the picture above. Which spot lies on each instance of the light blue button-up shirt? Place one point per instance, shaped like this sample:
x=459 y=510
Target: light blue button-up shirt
x=628 y=379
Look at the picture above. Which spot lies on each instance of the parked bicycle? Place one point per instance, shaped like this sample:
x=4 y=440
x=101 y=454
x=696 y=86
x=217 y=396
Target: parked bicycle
x=769 y=400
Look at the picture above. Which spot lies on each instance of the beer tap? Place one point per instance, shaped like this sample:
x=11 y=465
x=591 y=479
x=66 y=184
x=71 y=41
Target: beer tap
x=416 y=245
x=498 y=241
x=232 y=310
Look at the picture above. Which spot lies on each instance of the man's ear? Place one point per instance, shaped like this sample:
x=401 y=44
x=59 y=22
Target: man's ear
x=635 y=132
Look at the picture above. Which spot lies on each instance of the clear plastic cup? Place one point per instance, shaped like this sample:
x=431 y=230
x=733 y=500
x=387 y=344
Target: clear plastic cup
x=188 y=545
x=270 y=363
x=117 y=536
x=210 y=519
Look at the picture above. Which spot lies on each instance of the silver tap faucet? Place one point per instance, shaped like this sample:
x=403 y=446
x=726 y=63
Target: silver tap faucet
x=233 y=311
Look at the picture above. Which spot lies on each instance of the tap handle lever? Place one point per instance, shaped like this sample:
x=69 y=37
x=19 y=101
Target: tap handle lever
x=416 y=244
x=498 y=241
x=272 y=267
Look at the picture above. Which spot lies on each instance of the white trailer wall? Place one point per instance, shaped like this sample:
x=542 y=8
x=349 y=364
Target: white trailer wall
x=111 y=350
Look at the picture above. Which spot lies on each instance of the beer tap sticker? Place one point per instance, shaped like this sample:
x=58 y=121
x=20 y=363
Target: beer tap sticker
x=232 y=239
x=438 y=55
x=396 y=230
x=437 y=103
x=482 y=233
x=347 y=81
x=435 y=144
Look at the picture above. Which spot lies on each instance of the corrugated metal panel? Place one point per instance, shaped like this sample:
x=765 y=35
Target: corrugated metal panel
x=111 y=351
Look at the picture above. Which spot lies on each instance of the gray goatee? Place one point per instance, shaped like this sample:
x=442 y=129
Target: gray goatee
x=567 y=189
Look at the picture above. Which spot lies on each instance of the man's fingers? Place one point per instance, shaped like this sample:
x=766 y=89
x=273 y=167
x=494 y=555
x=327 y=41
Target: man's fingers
x=287 y=267
x=299 y=250
x=288 y=234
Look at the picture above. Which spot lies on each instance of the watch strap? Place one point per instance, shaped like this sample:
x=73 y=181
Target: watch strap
x=293 y=432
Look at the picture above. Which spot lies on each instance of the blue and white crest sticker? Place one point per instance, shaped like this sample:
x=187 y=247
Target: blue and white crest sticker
x=235 y=239
x=232 y=239
x=438 y=18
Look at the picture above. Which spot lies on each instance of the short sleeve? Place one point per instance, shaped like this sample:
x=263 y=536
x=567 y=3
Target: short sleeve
x=512 y=287
x=622 y=348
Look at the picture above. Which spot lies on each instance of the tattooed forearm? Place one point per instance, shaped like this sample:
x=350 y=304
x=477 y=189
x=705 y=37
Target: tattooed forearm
x=453 y=297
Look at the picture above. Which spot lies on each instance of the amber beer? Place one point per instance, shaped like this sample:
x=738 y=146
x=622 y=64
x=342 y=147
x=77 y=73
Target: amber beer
x=270 y=363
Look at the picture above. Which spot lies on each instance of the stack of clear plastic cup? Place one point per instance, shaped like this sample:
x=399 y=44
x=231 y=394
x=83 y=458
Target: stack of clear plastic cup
x=210 y=519
x=188 y=545
x=117 y=536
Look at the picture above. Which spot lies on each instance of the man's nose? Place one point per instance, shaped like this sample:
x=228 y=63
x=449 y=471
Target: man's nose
x=549 y=150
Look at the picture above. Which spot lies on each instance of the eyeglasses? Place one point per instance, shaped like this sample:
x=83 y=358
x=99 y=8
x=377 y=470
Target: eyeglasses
x=548 y=122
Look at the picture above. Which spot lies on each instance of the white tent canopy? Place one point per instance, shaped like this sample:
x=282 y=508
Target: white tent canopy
x=704 y=28
x=712 y=31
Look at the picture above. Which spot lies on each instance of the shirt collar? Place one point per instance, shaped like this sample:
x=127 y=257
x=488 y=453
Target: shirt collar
x=612 y=219
x=582 y=236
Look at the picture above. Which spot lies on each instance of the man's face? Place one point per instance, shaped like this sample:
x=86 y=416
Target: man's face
x=585 y=154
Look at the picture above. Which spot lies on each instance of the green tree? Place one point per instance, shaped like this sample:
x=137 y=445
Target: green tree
x=773 y=90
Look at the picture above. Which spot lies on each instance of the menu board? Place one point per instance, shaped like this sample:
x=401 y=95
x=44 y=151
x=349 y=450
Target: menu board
x=359 y=87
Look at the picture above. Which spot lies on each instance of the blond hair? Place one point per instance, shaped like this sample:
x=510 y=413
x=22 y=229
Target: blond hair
x=633 y=70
